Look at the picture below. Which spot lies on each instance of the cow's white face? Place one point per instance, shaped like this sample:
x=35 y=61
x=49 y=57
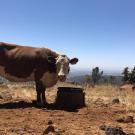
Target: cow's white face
x=62 y=64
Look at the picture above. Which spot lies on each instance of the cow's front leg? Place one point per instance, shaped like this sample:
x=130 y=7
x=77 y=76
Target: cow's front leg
x=40 y=94
x=39 y=100
x=43 y=97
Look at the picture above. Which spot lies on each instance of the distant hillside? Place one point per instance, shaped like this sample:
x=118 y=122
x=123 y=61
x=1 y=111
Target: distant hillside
x=83 y=72
x=106 y=79
x=78 y=72
x=79 y=79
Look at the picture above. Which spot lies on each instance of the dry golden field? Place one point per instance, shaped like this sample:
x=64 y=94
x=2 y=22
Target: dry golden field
x=19 y=116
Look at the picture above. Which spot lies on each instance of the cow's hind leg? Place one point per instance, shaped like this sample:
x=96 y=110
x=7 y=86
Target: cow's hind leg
x=40 y=89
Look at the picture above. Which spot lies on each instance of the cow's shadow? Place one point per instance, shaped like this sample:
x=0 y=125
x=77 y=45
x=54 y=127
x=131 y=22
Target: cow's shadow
x=16 y=105
x=24 y=104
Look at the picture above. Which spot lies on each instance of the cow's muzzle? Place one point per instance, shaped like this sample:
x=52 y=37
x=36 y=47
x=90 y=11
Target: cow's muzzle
x=62 y=78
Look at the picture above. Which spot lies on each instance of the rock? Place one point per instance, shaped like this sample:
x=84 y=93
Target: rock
x=126 y=119
x=129 y=119
x=120 y=120
x=115 y=101
x=112 y=130
x=49 y=129
x=50 y=122
x=103 y=127
x=127 y=87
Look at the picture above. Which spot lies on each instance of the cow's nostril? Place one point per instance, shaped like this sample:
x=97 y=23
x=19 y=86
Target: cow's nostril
x=62 y=77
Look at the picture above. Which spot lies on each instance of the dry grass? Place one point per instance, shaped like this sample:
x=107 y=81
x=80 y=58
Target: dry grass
x=99 y=94
x=103 y=92
x=26 y=91
x=106 y=93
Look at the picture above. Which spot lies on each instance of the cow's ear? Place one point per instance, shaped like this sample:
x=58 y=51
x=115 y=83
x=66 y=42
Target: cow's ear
x=74 y=61
x=51 y=60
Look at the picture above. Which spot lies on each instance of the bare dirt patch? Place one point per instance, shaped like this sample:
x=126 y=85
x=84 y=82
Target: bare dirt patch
x=19 y=116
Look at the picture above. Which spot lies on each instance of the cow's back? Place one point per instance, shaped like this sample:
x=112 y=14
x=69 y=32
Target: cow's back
x=19 y=63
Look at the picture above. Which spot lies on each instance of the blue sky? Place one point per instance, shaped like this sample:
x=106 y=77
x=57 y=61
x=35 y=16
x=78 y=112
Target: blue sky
x=98 y=32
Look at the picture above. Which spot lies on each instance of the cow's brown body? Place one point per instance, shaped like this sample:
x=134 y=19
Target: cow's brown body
x=21 y=63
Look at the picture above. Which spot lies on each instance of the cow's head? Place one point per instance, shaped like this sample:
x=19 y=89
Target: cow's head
x=62 y=64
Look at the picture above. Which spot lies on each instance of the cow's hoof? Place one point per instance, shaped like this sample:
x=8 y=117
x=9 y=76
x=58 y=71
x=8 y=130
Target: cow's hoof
x=41 y=104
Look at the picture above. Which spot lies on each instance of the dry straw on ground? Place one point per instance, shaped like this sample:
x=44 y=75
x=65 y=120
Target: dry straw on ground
x=107 y=93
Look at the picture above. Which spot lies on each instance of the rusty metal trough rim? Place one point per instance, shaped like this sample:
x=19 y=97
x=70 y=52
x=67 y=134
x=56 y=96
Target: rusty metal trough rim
x=70 y=89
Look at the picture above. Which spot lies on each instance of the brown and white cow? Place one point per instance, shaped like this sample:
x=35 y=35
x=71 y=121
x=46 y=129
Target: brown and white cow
x=42 y=65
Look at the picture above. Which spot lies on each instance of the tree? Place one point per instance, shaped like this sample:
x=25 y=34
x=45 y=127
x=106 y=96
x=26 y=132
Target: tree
x=126 y=74
x=132 y=76
x=96 y=75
